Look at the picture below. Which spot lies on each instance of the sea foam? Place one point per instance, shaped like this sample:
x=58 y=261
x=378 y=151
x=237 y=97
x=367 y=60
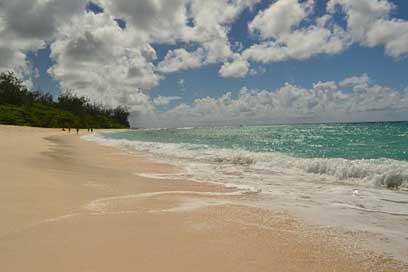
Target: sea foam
x=361 y=195
x=380 y=173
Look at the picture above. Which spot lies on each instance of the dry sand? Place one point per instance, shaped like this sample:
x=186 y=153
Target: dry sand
x=71 y=205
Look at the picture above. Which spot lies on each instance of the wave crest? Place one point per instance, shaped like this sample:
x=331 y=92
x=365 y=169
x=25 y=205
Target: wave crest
x=385 y=173
x=381 y=172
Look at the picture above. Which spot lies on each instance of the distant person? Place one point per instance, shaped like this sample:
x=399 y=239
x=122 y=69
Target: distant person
x=69 y=130
x=63 y=129
x=77 y=130
x=91 y=130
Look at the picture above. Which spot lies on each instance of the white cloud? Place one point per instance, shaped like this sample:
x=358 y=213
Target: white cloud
x=290 y=103
x=181 y=59
x=257 y=71
x=368 y=22
x=361 y=14
x=393 y=34
x=325 y=86
x=203 y=23
x=237 y=68
x=159 y=20
x=299 y=44
x=280 y=18
x=353 y=81
x=162 y=101
x=287 y=32
x=96 y=58
x=28 y=26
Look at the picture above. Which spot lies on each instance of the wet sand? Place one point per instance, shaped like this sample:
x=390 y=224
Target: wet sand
x=71 y=205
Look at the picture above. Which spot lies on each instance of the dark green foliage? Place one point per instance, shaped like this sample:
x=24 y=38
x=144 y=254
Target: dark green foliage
x=36 y=115
x=12 y=90
x=19 y=106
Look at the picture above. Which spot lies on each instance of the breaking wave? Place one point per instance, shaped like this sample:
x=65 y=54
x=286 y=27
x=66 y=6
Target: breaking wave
x=329 y=191
x=385 y=173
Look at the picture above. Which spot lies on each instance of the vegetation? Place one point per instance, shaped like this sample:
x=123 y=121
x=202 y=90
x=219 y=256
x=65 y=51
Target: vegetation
x=20 y=106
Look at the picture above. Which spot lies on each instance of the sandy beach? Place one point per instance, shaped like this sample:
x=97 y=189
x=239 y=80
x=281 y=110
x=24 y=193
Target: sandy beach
x=72 y=205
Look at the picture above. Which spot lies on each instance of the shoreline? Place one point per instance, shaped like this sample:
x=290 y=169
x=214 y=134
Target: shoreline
x=352 y=205
x=72 y=205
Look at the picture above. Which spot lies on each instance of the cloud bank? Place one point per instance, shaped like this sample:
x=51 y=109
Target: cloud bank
x=352 y=99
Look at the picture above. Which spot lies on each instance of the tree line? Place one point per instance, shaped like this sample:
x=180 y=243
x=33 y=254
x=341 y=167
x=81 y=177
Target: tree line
x=21 y=106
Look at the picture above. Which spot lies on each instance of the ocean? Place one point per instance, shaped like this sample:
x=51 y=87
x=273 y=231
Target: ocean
x=345 y=174
x=370 y=154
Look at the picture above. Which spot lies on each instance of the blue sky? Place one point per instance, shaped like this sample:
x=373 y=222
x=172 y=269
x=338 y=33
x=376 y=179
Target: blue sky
x=176 y=64
x=205 y=81
x=354 y=61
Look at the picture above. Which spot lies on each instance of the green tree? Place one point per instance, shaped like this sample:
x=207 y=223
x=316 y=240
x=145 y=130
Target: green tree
x=20 y=106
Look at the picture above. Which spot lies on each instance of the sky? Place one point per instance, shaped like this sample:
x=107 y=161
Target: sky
x=178 y=63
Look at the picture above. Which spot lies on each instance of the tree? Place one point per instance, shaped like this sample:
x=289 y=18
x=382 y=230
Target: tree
x=20 y=106
x=70 y=102
x=121 y=114
x=13 y=91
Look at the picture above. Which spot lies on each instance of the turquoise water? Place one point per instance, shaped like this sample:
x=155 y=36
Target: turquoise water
x=349 y=175
x=368 y=154
x=348 y=141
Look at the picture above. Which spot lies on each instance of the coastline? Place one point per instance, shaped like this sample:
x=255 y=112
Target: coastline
x=73 y=205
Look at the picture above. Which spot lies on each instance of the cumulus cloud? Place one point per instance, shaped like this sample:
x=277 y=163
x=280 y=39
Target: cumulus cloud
x=162 y=101
x=181 y=59
x=90 y=48
x=353 y=81
x=300 y=44
x=328 y=85
x=203 y=23
x=28 y=26
x=361 y=14
x=393 y=34
x=237 y=68
x=160 y=20
x=369 y=22
x=96 y=58
x=280 y=18
x=288 y=29
x=283 y=37
x=325 y=101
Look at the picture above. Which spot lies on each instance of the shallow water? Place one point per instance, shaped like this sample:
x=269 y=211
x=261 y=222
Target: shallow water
x=366 y=153
x=348 y=175
x=348 y=141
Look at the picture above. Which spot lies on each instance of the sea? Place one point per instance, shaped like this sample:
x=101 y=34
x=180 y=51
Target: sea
x=346 y=175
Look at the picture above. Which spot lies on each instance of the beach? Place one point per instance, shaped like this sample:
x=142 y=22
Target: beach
x=72 y=205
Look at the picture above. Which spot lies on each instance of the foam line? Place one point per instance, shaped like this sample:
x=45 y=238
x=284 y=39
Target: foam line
x=368 y=210
x=386 y=173
x=97 y=204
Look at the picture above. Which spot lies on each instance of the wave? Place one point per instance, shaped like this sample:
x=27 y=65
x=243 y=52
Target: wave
x=380 y=172
x=386 y=173
x=165 y=128
x=317 y=189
